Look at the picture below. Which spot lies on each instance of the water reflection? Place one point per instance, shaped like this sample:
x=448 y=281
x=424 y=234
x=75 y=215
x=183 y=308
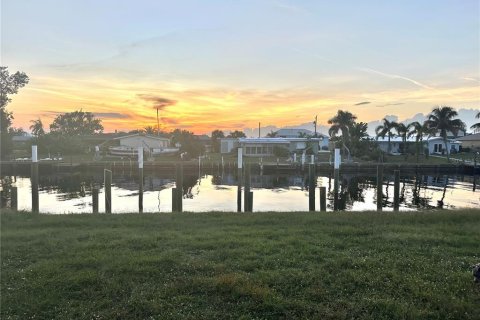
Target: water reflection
x=72 y=192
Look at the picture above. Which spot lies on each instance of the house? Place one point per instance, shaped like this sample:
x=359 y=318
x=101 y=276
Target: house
x=303 y=133
x=471 y=141
x=263 y=147
x=435 y=145
x=147 y=141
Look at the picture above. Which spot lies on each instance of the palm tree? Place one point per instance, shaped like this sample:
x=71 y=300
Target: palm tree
x=386 y=129
x=402 y=131
x=441 y=119
x=419 y=130
x=37 y=128
x=272 y=134
x=476 y=126
x=342 y=122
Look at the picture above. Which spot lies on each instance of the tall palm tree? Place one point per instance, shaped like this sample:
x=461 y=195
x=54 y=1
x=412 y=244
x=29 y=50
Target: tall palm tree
x=476 y=126
x=37 y=127
x=419 y=130
x=342 y=122
x=441 y=119
x=402 y=132
x=386 y=129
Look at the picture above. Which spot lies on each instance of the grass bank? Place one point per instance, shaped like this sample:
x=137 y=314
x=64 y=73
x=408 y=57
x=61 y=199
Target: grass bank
x=240 y=266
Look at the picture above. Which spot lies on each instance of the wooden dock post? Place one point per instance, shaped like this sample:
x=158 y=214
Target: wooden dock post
x=179 y=186
x=396 y=190
x=140 y=179
x=250 y=201
x=323 y=199
x=14 y=199
x=34 y=180
x=336 y=184
x=379 y=187
x=95 y=200
x=239 y=178
x=246 y=204
x=311 y=187
x=107 y=178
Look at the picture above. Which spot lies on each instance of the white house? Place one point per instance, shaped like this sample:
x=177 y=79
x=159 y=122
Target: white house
x=303 y=133
x=147 y=141
x=435 y=145
x=261 y=147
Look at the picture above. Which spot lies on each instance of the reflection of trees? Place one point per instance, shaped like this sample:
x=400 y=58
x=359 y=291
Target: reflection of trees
x=440 y=202
x=6 y=190
x=70 y=186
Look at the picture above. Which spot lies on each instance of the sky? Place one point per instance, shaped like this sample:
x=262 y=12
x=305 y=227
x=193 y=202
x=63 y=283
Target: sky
x=231 y=64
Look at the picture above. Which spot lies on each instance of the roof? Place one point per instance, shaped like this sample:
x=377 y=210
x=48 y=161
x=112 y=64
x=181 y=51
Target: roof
x=22 y=138
x=142 y=135
x=470 y=137
x=277 y=140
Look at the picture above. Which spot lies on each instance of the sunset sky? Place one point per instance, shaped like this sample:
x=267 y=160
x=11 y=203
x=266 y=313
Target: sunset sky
x=230 y=64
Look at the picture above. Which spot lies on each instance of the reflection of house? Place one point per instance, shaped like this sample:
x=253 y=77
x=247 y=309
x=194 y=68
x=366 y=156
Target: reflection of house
x=435 y=145
x=471 y=141
x=261 y=147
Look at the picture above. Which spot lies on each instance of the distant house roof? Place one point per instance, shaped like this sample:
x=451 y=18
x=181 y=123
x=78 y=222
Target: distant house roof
x=142 y=135
x=22 y=138
x=470 y=137
x=276 y=140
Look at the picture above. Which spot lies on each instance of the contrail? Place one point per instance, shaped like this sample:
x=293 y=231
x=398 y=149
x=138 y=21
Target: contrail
x=395 y=76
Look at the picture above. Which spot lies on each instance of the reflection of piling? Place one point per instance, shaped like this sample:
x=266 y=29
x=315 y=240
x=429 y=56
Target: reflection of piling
x=179 y=187
x=246 y=204
x=34 y=180
x=239 y=179
x=323 y=199
x=95 y=200
x=311 y=187
x=174 y=200
x=379 y=187
x=140 y=179
x=396 y=191
x=107 y=177
x=336 y=185
x=14 y=199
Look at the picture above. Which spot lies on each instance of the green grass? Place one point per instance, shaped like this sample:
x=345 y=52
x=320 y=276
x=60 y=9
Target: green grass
x=240 y=266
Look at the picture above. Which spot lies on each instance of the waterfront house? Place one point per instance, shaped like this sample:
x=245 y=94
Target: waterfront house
x=264 y=147
x=435 y=145
x=472 y=141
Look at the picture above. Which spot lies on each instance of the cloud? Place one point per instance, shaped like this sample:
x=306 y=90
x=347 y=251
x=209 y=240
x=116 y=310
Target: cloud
x=169 y=120
x=390 y=104
x=111 y=115
x=471 y=79
x=159 y=103
x=361 y=103
x=395 y=76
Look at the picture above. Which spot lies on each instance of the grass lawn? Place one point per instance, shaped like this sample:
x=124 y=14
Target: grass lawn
x=240 y=266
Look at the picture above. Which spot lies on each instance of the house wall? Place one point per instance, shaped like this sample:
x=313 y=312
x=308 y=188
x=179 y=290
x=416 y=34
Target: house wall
x=226 y=146
x=472 y=144
x=137 y=141
x=437 y=146
x=260 y=149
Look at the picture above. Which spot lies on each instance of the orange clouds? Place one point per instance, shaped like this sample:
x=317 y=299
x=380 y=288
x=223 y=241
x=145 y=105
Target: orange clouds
x=126 y=105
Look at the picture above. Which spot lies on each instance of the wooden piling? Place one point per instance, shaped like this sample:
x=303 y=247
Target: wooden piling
x=239 y=190
x=311 y=187
x=396 y=190
x=95 y=200
x=14 y=199
x=323 y=199
x=107 y=177
x=379 y=188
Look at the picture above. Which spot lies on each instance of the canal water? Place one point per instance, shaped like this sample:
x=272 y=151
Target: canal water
x=71 y=193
